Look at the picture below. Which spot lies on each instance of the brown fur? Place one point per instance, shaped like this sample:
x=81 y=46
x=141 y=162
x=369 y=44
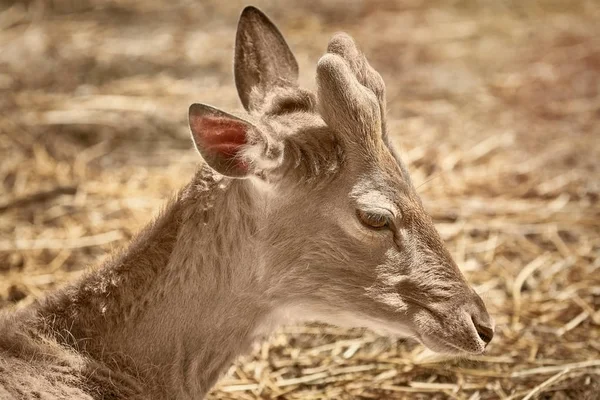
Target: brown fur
x=229 y=259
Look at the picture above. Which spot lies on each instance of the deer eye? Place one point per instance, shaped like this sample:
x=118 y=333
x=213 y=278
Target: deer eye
x=373 y=220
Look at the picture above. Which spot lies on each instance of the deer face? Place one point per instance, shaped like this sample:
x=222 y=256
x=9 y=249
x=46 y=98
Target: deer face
x=346 y=238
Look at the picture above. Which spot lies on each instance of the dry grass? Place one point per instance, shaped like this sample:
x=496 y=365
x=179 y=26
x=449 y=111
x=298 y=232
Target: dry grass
x=496 y=105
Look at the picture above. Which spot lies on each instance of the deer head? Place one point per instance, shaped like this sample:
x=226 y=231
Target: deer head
x=342 y=235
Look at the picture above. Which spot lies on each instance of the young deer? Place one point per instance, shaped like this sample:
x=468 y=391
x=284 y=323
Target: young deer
x=302 y=211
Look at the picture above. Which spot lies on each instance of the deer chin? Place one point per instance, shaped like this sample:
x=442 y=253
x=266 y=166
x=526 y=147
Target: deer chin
x=440 y=345
x=453 y=335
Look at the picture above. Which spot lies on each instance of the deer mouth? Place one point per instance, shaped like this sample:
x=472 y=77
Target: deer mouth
x=453 y=335
x=441 y=345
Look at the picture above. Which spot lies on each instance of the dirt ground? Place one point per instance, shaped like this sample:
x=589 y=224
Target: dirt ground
x=494 y=103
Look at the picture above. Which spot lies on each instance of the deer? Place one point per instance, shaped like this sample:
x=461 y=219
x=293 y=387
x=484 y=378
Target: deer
x=301 y=210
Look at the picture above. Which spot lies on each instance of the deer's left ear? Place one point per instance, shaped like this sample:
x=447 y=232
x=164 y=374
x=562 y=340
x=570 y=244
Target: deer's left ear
x=262 y=59
x=230 y=145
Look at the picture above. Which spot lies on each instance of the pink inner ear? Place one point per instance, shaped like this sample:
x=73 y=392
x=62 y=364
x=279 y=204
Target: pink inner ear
x=221 y=136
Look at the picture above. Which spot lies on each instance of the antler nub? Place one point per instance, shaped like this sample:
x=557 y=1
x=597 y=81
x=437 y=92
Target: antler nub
x=351 y=92
x=343 y=45
x=344 y=102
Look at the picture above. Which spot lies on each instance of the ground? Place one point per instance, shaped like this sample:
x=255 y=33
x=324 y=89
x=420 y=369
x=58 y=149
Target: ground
x=495 y=105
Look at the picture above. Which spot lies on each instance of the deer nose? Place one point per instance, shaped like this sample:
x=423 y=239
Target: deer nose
x=484 y=325
x=482 y=321
x=485 y=331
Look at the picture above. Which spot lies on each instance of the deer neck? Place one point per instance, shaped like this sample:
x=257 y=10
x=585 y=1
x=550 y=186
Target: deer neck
x=181 y=302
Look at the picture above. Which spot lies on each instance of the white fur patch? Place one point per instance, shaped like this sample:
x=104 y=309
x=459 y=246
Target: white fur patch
x=302 y=313
x=255 y=154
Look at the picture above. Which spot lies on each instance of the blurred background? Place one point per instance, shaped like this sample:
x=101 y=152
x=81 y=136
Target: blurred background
x=495 y=105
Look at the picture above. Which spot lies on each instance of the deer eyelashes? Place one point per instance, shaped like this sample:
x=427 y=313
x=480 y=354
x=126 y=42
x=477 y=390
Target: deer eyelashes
x=374 y=220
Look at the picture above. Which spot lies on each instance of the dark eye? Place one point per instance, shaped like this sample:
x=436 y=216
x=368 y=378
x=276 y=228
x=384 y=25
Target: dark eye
x=373 y=220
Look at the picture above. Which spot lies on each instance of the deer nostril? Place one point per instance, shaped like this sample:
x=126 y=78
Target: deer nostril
x=485 y=333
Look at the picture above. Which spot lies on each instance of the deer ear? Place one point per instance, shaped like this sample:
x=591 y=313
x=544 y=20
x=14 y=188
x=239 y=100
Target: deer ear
x=222 y=139
x=262 y=58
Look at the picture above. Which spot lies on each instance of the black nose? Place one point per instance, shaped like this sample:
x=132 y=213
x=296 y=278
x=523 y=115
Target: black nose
x=485 y=332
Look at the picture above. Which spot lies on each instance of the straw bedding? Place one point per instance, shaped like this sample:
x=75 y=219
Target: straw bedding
x=495 y=105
